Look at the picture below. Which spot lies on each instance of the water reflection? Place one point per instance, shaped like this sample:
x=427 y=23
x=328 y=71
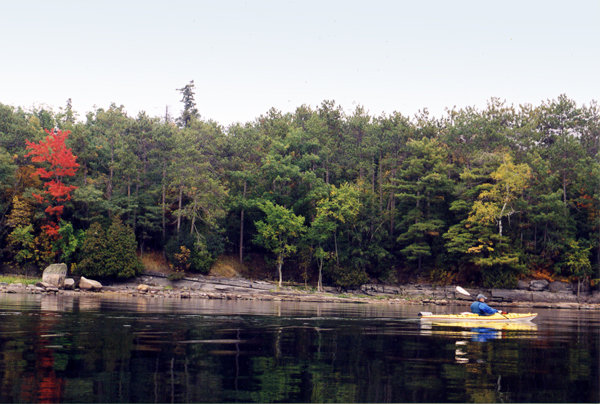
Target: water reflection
x=151 y=350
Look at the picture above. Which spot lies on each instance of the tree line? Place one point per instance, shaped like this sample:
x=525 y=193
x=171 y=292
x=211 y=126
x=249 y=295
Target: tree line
x=479 y=196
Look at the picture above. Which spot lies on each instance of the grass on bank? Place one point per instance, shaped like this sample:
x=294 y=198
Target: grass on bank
x=19 y=279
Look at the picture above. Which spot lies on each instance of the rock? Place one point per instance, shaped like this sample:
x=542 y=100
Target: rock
x=550 y=297
x=89 y=284
x=538 y=285
x=523 y=285
x=503 y=295
x=143 y=288
x=55 y=275
x=69 y=283
x=560 y=287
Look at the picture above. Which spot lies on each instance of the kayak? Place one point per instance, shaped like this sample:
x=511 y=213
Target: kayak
x=476 y=318
x=466 y=328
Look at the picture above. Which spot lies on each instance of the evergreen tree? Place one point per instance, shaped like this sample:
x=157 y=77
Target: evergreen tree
x=94 y=252
x=111 y=253
x=122 y=260
x=189 y=105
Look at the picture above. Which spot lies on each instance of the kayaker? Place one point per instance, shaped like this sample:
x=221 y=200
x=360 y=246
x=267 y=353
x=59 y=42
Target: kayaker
x=480 y=307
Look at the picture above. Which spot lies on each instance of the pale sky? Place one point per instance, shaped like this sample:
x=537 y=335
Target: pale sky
x=248 y=56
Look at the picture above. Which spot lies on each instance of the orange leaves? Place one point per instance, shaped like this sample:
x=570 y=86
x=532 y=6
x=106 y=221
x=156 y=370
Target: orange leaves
x=54 y=210
x=54 y=151
x=51 y=230
x=60 y=162
x=59 y=191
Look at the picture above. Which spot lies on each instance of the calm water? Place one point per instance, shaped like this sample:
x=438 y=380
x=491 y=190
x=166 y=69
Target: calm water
x=144 y=350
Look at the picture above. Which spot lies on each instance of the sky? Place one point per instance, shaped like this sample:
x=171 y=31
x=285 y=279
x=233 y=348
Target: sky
x=246 y=57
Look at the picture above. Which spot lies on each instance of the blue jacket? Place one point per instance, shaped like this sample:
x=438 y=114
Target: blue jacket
x=482 y=309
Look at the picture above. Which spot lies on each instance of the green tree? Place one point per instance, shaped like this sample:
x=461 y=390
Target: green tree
x=111 y=253
x=497 y=202
x=122 y=260
x=576 y=262
x=22 y=241
x=190 y=112
x=423 y=188
x=341 y=206
x=278 y=232
x=94 y=252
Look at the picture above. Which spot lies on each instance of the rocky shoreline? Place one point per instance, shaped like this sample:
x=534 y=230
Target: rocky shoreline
x=154 y=285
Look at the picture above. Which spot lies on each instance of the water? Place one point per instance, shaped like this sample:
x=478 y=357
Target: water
x=92 y=349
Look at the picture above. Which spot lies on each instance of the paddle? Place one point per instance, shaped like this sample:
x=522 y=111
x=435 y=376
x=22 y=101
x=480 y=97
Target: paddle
x=464 y=292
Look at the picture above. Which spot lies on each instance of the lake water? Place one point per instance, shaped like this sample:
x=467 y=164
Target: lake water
x=93 y=349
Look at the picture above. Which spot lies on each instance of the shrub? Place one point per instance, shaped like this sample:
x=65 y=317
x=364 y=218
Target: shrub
x=110 y=254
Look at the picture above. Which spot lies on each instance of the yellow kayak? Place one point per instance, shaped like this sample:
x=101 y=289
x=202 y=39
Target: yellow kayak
x=476 y=318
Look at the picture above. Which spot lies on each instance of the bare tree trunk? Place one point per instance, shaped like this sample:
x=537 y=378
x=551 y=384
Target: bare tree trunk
x=337 y=256
x=111 y=171
x=320 y=282
x=179 y=211
x=279 y=265
x=135 y=209
x=164 y=205
x=193 y=216
x=242 y=225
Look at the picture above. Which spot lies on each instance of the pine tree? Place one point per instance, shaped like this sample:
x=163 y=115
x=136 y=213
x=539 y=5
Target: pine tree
x=189 y=105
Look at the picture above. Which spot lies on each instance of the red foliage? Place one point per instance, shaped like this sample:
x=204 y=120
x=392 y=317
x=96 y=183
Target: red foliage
x=51 y=230
x=53 y=151
x=55 y=210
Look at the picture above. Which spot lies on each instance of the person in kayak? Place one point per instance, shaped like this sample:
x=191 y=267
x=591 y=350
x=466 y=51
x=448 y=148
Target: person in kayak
x=480 y=307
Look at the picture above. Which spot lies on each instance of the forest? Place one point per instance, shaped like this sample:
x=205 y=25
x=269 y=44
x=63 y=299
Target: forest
x=477 y=196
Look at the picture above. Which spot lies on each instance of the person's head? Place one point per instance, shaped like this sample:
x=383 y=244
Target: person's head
x=481 y=297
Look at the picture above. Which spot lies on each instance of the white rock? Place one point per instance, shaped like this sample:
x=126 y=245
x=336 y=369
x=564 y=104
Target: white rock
x=55 y=275
x=89 y=284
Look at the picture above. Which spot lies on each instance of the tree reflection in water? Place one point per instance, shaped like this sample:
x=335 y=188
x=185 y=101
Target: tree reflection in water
x=77 y=353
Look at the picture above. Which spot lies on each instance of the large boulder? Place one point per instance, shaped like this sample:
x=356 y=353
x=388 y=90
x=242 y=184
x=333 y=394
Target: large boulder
x=522 y=285
x=89 y=284
x=538 y=285
x=558 y=287
x=55 y=275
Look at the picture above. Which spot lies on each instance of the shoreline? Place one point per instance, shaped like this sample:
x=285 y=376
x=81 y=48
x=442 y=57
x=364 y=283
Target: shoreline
x=157 y=286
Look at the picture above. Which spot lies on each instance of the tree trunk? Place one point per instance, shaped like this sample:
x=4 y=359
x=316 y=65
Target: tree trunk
x=242 y=225
x=279 y=265
x=193 y=216
x=392 y=210
x=337 y=256
x=109 y=186
x=320 y=281
x=164 y=205
x=179 y=211
x=379 y=181
x=137 y=198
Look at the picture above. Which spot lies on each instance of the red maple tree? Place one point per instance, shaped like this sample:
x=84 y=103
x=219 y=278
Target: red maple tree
x=60 y=162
